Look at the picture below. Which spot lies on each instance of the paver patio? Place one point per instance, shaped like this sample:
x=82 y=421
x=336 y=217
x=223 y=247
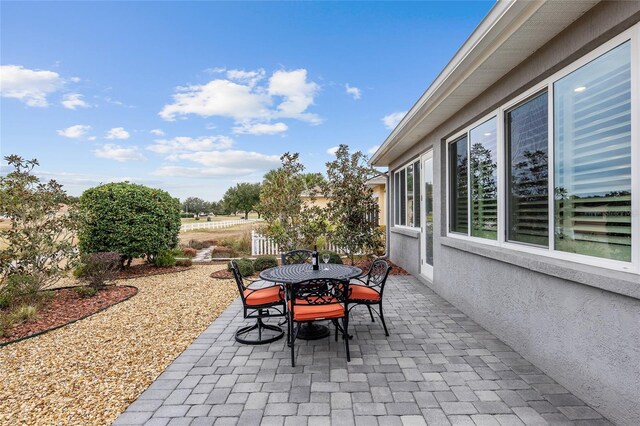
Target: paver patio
x=437 y=367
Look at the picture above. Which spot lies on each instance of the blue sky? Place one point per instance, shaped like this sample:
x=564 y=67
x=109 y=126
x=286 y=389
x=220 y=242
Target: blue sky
x=195 y=97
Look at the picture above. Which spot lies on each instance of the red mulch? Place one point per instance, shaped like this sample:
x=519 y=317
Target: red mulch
x=362 y=264
x=144 y=270
x=67 y=306
x=365 y=264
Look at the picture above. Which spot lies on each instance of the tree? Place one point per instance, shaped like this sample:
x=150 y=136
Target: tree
x=314 y=182
x=281 y=202
x=243 y=197
x=133 y=220
x=39 y=243
x=351 y=202
x=194 y=205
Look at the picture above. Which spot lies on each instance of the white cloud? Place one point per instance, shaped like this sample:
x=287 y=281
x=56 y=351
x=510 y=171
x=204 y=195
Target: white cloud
x=287 y=94
x=353 y=91
x=157 y=132
x=29 y=86
x=298 y=94
x=373 y=149
x=261 y=128
x=218 y=97
x=249 y=77
x=74 y=132
x=119 y=153
x=231 y=158
x=391 y=121
x=73 y=101
x=200 y=172
x=117 y=133
x=333 y=150
x=92 y=138
x=184 y=143
x=221 y=163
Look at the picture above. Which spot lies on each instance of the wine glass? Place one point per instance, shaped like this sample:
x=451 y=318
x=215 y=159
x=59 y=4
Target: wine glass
x=325 y=259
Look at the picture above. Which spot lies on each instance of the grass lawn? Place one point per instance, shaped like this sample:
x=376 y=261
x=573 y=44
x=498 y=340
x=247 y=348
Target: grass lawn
x=219 y=218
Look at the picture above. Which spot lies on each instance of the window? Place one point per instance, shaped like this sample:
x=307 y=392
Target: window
x=484 y=180
x=558 y=170
x=459 y=183
x=407 y=195
x=592 y=128
x=528 y=172
x=478 y=144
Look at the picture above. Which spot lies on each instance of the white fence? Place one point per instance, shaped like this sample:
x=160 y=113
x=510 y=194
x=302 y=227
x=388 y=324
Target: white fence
x=263 y=245
x=216 y=225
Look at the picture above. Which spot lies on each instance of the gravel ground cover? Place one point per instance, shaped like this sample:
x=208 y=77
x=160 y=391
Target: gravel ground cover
x=90 y=371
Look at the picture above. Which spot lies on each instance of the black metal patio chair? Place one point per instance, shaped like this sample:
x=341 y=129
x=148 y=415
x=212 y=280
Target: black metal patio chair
x=295 y=257
x=316 y=300
x=259 y=303
x=371 y=289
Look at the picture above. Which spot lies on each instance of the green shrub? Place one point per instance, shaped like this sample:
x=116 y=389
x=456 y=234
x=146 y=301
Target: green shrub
x=333 y=257
x=98 y=269
x=129 y=219
x=85 y=292
x=25 y=313
x=184 y=262
x=19 y=288
x=245 y=266
x=265 y=262
x=164 y=259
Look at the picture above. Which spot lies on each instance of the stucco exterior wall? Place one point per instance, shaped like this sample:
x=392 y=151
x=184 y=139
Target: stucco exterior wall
x=586 y=338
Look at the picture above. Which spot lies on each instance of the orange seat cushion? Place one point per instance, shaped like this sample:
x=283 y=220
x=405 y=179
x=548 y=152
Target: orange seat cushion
x=362 y=292
x=317 y=312
x=263 y=296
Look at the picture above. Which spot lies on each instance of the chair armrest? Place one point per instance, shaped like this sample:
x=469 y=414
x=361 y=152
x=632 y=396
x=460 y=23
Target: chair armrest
x=361 y=279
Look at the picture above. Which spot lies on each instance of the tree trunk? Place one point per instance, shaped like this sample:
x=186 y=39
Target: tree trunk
x=246 y=215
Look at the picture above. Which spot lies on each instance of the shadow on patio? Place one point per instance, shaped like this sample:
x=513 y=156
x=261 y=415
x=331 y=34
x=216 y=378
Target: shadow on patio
x=437 y=367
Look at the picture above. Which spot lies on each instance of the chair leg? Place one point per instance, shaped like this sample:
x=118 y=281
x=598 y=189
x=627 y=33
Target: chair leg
x=335 y=324
x=386 y=332
x=370 y=313
x=293 y=338
x=345 y=324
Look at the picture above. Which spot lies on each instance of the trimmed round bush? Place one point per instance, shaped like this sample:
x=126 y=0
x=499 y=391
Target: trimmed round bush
x=133 y=220
x=333 y=257
x=245 y=266
x=265 y=262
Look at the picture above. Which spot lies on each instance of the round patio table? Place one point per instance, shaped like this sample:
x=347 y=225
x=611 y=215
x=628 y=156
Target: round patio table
x=291 y=274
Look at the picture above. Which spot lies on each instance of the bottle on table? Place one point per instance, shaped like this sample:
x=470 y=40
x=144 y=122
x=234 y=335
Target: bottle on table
x=314 y=259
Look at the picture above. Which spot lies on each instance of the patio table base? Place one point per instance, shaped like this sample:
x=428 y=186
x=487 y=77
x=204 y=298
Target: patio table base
x=312 y=331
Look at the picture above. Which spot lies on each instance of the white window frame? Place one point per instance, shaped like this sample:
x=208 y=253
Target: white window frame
x=632 y=35
x=396 y=199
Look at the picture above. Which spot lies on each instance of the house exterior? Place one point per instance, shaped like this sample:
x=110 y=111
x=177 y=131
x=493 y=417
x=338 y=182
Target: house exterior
x=378 y=185
x=514 y=191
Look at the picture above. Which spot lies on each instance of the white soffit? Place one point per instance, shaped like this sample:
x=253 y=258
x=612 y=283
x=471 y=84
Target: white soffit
x=509 y=34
